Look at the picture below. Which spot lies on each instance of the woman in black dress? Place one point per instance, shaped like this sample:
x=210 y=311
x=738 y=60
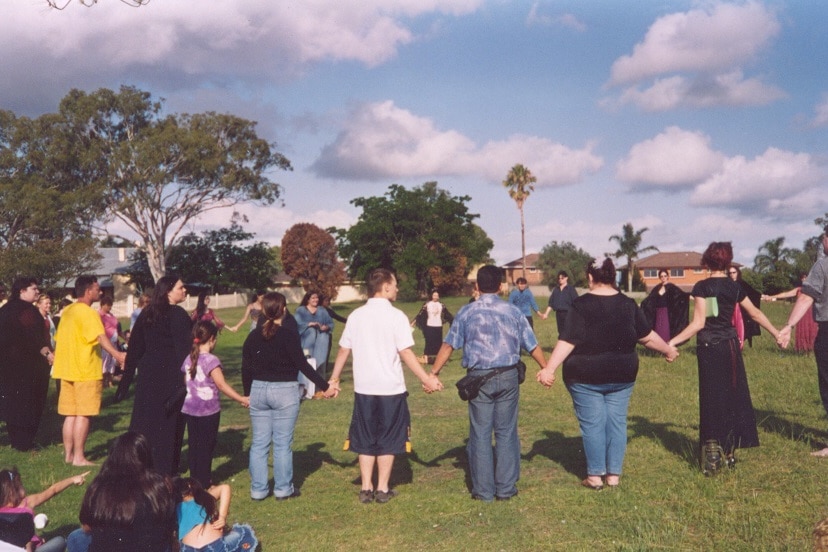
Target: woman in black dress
x=666 y=307
x=725 y=409
x=160 y=341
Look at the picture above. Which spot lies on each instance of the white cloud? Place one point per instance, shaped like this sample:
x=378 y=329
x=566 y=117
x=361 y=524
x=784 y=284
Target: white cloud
x=730 y=89
x=821 y=113
x=568 y=20
x=381 y=140
x=699 y=40
x=775 y=181
x=696 y=58
x=181 y=41
x=675 y=157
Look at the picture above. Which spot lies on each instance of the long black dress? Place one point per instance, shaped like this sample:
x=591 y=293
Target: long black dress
x=157 y=351
x=24 y=372
x=725 y=409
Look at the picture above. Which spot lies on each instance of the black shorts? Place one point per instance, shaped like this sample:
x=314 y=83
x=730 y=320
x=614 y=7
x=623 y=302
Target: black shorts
x=380 y=424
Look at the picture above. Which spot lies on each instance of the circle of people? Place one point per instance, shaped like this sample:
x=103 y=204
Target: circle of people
x=133 y=503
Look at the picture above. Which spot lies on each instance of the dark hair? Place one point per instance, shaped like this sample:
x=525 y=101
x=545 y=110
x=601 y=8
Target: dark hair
x=125 y=481
x=160 y=303
x=521 y=280
x=189 y=486
x=273 y=310
x=201 y=305
x=717 y=256
x=83 y=283
x=489 y=278
x=738 y=271
x=307 y=297
x=663 y=271
x=106 y=300
x=203 y=331
x=376 y=279
x=11 y=487
x=604 y=274
x=255 y=297
x=22 y=283
x=563 y=273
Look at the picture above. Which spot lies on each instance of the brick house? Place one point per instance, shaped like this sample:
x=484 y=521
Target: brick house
x=684 y=267
x=514 y=270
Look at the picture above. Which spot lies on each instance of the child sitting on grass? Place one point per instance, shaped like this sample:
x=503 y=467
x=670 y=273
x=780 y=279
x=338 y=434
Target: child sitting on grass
x=202 y=519
x=17 y=524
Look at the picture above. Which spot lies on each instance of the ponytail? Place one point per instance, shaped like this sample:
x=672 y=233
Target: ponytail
x=273 y=310
x=203 y=331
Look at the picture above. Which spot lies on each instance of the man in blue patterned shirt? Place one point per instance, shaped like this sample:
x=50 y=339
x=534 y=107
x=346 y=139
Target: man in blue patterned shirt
x=491 y=333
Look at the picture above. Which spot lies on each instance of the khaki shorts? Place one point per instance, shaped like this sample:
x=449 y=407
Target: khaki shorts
x=80 y=398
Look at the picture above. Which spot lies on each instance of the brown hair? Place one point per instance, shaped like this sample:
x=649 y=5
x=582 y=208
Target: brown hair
x=376 y=279
x=605 y=274
x=11 y=487
x=717 y=256
x=273 y=310
x=203 y=331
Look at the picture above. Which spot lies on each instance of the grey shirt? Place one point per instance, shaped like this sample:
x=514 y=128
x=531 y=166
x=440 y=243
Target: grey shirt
x=816 y=287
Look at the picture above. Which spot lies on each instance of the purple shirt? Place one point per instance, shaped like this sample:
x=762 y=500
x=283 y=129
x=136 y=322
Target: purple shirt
x=202 y=394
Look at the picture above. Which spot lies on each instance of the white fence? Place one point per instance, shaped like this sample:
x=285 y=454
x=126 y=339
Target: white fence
x=293 y=294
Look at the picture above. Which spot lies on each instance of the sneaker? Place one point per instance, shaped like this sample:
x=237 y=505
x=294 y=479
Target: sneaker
x=366 y=497
x=384 y=496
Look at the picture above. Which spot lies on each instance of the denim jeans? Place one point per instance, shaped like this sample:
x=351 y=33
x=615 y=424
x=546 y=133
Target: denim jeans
x=495 y=411
x=78 y=541
x=274 y=407
x=601 y=410
x=239 y=537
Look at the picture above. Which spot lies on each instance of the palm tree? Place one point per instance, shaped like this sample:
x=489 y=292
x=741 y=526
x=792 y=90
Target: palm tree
x=772 y=256
x=629 y=246
x=520 y=182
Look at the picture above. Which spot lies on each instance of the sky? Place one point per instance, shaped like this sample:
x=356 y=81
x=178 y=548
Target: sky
x=698 y=120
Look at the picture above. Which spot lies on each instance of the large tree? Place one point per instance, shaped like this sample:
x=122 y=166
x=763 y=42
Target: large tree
x=155 y=172
x=777 y=265
x=629 y=247
x=520 y=183
x=425 y=234
x=221 y=260
x=45 y=216
x=555 y=257
x=310 y=255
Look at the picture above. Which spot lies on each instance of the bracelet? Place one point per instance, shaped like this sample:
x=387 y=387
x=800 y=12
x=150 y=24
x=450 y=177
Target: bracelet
x=333 y=380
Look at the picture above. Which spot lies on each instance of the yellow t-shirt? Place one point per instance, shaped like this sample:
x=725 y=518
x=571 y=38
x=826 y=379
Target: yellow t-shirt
x=77 y=350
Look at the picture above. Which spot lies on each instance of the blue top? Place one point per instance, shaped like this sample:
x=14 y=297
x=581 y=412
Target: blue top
x=523 y=300
x=190 y=513
x=491 y=333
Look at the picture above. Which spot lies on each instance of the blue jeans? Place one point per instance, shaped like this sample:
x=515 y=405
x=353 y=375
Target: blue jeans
x=274 y=407
x=78 y=541
x=239 y=537
x=494 y=411
x=601 y=410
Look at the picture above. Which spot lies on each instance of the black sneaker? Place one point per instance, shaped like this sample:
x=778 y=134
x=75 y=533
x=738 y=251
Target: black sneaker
x=384 y=496
x=294 y=494
x=366 y=497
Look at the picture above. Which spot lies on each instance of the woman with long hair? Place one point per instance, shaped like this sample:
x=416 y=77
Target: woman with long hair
x=160 y=341
x=202 y=519
x=600 y=364
x=128 y=506
x=315 y=331
x=725 y=409
x=431 y=318
x=666 y=307
x=271 y=361
x=252 y=312
x=203 y=312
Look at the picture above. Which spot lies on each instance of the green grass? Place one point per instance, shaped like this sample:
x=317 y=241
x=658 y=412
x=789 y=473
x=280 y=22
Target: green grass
x=769 y=502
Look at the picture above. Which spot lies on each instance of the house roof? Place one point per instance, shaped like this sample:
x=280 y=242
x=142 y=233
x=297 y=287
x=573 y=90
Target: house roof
x=531 y=261
x=113 y=260
x=679 y=259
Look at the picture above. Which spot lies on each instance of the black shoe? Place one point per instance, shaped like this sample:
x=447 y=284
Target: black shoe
x=381 y=497
x=506 y=497
x=480 y=498
x=294 y=494
x=366 y=496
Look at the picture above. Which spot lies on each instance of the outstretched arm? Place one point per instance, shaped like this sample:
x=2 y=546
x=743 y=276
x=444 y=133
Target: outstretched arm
x=35 y=500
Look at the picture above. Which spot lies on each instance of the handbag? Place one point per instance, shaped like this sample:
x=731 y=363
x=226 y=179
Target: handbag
x=468 y=387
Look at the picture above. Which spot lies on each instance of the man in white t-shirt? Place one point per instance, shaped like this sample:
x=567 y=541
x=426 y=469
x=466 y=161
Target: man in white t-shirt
x=380 y=338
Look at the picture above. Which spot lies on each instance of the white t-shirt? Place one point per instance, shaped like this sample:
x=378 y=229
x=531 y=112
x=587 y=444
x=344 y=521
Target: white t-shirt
x=375 y=333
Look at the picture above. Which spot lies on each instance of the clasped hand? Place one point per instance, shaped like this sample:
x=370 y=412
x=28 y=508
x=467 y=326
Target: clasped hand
x=432 y=384
x=546 y=377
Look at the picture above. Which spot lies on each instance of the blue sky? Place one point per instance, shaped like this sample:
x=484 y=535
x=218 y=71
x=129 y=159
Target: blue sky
x=699 y=120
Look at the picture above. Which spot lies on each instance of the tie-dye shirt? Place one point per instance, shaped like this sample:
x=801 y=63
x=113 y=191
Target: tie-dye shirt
x=202 y=394
x=491 y=333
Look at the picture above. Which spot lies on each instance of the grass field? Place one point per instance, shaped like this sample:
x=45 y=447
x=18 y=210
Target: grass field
x=769 y=502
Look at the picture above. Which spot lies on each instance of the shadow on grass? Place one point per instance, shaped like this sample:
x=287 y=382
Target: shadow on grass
x=568 y=452
x=772 y=422
x=459 y=460
x=673 y=442
x=309 y=461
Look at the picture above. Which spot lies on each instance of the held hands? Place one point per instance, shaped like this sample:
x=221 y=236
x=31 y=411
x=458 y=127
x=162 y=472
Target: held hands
x=245 y=402
x=333 y=390
x=783 y=339
x=672 y=354
x=432 y=383
x=546 y=377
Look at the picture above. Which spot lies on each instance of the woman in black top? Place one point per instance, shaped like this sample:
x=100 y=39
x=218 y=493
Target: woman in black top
x=600 y=364
x=271 y=361
x=128 y=507
x=666 y=307
x=725 y=409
